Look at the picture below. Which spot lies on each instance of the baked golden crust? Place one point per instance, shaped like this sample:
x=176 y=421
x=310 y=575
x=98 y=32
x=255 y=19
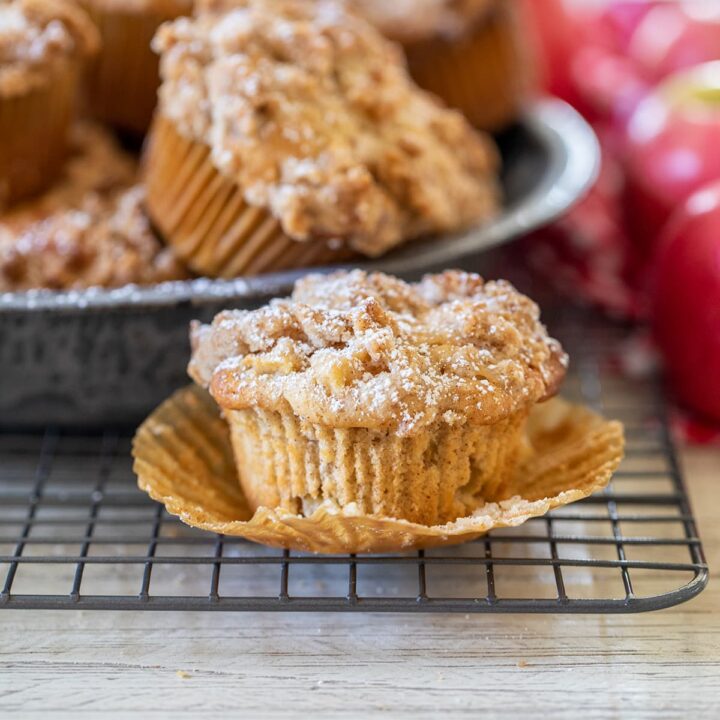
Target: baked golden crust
x=353 y=350
x=35 y=34
x=107 y=242
x=312 y=112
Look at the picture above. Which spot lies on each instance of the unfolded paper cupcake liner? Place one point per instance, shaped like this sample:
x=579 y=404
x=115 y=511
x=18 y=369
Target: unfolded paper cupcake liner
x=203 y=215
x=34 y=133
x=430 y=478
x=184 y=459
x=482 y=73
x=121 y=82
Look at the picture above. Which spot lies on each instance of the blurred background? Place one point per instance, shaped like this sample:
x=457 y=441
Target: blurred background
x=644 y=245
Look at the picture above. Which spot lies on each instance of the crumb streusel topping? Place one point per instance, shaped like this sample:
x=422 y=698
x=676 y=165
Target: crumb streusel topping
x=107 y=242
x=313 y=113
x=412 y=20
x=368 y=350
x=36 y=34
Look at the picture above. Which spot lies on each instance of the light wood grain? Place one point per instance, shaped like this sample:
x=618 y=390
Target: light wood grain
x=657 y=665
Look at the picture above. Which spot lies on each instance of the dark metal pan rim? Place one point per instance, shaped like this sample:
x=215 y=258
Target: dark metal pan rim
x=574 y=163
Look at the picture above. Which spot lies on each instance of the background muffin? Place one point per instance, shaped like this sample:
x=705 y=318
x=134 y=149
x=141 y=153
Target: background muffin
x=122 y=82
x=106 y=242
x=95 y=164
x=467 y=52
x=88 y=229
x=406 y=401
x=289 y=134
x=42 y=46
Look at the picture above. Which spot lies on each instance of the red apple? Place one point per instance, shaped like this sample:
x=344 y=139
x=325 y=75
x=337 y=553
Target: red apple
x=608 y=85
x=685 y=301
x=581 y=47
x=675 y=36
x=622 y=18
x=672 y=149
x=555 y=35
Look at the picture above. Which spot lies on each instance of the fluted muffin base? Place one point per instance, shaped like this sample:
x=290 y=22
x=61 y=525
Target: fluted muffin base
x=122 y=81
x=434 y=477
x=482 y=73
x=203 y=215
x=34 y=133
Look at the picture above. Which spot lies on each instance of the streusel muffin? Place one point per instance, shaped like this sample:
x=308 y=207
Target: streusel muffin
x=43 y=44
x=467 y=52
x=106 y=242
x=289 y=134
x=400 y=400
x=89 y=229
x=96 y=164
x=122 y=82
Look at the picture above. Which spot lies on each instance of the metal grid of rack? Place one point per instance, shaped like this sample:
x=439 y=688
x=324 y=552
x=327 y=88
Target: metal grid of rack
x=76 y=533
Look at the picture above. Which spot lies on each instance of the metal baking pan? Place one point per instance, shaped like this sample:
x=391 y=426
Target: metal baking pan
x=109 y=356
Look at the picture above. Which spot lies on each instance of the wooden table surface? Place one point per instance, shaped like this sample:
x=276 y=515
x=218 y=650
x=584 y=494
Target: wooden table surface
x=664 y=664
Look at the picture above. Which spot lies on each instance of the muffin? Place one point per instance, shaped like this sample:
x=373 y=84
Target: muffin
x=89 y=229
x=106 y=242
x=183 y=458
x=122 y=82
x=289 y=134
x=95 y=164
x=467 y=52
x=379 y=397
x=43 y=44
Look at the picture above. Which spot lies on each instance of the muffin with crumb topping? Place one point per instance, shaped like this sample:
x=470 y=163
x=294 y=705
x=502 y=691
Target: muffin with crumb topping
x=366 y=393
x=106 y=241
x=43 y=44
x=122 y=81
x=95 y=164
x=289 y=134
x=467 y=52
x=89 y=229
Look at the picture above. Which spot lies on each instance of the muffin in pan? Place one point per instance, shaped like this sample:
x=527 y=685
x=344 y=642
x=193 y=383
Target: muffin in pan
x=89 y=229
x=401 y=400
x=105 y=242
x=43 y=44
x=122 y=81
x=467 y=52
x=289 y=134
x=95 y=164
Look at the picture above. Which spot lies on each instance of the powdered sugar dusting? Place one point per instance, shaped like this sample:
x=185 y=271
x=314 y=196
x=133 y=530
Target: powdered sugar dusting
x=368 y=350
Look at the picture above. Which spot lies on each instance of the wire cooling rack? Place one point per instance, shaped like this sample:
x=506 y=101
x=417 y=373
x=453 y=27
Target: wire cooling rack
x=76 y=533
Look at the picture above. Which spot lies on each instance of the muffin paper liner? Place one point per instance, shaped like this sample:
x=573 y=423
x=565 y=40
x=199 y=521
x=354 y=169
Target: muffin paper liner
x=203 y=214
x=34 y=133
x=286 y=463
x=184 y=459
x=121 y=83
x=483 y=74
